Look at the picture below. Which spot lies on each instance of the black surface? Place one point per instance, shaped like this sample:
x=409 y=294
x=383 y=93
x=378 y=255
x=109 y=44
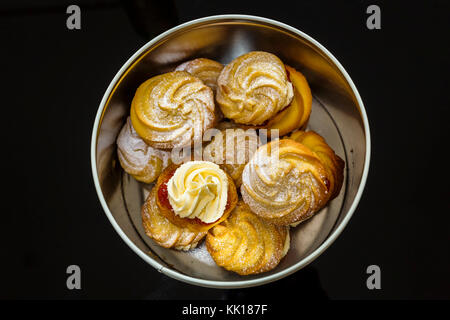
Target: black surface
x=52 y=81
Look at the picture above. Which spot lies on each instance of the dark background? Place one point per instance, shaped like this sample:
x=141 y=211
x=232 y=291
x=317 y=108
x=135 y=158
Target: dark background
x=52 y=80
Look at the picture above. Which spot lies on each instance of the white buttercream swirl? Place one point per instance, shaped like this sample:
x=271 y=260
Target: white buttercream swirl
x=198 y=189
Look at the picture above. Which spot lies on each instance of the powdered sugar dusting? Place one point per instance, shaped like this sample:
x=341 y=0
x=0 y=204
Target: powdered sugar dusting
x=254 y=87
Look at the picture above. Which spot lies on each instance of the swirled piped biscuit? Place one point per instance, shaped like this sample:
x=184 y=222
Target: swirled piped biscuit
x=331 y=161
x=231 y=149
x=253 y=87
x=139 y=159
x=172 y=110
x=205 y=69
x=285 y=182
x=247 y=244
x=162 y=231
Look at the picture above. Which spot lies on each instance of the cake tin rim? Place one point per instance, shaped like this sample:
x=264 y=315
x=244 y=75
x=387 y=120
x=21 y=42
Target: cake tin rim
x=240 y=283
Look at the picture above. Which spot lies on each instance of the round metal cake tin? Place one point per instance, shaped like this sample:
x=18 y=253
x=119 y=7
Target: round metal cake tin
x=338 y=115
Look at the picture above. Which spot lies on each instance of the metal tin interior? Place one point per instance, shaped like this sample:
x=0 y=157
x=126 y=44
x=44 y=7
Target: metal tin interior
x=338 y=115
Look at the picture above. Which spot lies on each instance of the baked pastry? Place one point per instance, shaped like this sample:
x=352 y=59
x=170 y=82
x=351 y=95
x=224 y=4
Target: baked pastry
x=172 y=110
x=253 y=88
x=137 y=158
x=296 y=115
x=246 y=243
x=285 y=182
x=206 y=70
x=162 y=231
x=226 y=124
x=196 y=195
x=332 y=162
x=232 y=149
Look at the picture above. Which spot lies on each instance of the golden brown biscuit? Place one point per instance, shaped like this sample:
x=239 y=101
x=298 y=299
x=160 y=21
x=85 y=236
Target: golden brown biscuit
x=172 y=110
x=205 y=69
x=285 y=182
x=232 y=149
x=246 y=243
x=253 y=88
x=162 y=231
x=137 y=158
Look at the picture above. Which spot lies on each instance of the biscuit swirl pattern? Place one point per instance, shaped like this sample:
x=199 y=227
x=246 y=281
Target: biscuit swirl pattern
x=285 y=182
x=232 y=149
x=206 y=70
x=247 y=244
x=253 y=88
x=137 y=158
x=172 y=110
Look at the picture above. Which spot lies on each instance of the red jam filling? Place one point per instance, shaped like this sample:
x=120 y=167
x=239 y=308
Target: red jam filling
x=163 y=194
